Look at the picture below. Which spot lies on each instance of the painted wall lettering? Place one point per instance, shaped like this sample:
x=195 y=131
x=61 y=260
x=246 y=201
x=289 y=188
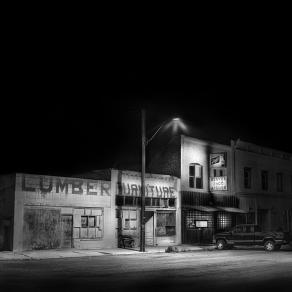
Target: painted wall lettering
x=127 y=189
x=61 y=186
x=58 y=185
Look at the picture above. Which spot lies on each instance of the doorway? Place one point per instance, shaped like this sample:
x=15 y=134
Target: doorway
x=66 y=231
x=149 y=228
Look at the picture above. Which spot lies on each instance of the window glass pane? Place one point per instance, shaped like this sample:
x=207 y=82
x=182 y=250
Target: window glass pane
x=192 y=170
x=84 y=221
x=127 y=224
x=199 y=183
x=191 y=182
x=133 y=224
x=91 y=221
x=198 y=171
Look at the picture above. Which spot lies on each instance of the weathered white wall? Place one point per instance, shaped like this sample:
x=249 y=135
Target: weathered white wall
x=157 y=186
x=45 y=192
x=198 y=151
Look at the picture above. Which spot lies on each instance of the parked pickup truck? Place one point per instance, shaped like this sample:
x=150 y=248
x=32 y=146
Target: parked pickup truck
x=251 y=234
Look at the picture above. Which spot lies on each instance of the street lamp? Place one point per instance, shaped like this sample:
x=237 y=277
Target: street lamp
x=145 y=142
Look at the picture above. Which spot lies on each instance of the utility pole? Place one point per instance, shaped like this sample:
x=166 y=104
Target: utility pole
x=142 y=219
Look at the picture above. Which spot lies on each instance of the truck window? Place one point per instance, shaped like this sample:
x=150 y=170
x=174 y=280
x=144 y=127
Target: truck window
x=257 y=228
x=237 y=229
x=249 y=229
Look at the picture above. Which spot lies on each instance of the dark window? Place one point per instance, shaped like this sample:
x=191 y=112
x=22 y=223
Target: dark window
x=257 y=228
x=88 y=221
x=265 y=176
x=238 y=229
x=191 y=176
x=171 y=202
x=279 y=182
x=165 y=224
x=247 y=177
x=221 y=172
x=84 y=221
x=214 y=172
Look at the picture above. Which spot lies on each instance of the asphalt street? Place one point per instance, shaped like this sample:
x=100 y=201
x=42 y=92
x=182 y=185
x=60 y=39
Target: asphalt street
x=228 y=270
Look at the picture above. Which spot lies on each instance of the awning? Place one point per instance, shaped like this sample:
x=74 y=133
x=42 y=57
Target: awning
x=202 y=208
x=230 y=209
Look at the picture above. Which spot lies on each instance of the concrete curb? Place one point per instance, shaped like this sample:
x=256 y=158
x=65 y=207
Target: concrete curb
x=74 y=253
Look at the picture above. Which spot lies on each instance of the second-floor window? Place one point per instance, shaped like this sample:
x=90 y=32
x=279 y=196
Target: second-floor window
x=279 y=179
x=195 y=176
x=265 y=176
x=247 y=177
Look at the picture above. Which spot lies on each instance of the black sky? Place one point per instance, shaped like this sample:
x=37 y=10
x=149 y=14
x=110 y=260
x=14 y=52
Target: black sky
x=71 y=104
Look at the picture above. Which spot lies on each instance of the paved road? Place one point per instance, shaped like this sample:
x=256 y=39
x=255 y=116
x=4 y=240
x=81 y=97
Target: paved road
x=233 y=270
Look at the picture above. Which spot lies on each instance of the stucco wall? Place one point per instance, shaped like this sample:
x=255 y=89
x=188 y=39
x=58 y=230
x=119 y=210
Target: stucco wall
x=57 y=196
x=258 y=163
x=198 y=151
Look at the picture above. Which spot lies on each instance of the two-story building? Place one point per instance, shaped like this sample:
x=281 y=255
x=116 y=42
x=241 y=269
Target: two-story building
x=207 y=186
x=263 y=183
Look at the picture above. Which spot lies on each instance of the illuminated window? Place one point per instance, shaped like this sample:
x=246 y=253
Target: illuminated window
x=193 y=216
x=224 y=220
x=195 y=176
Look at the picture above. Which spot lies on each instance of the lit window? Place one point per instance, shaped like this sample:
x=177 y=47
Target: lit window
x=223 y=220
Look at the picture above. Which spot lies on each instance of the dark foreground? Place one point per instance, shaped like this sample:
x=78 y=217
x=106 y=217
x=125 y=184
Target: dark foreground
x=233 y=270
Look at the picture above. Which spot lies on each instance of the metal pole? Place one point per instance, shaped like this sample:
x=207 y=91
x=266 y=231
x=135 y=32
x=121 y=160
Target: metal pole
x=142 y=220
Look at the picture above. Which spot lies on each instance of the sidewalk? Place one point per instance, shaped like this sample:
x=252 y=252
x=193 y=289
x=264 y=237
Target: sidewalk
x=73 y=253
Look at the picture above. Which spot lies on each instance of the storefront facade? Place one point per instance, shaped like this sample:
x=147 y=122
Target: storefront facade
x=162 y=207
x=264 y=185
x=61 y=212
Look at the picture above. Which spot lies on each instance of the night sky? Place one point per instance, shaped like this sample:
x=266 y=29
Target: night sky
x=69 y=108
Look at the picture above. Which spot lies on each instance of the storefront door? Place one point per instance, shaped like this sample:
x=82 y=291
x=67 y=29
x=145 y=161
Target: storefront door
x=149 y=228
x=66 y=235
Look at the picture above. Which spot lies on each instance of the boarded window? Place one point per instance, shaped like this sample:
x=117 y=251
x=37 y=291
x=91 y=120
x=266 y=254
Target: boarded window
x=90 y=225
x=165 y=224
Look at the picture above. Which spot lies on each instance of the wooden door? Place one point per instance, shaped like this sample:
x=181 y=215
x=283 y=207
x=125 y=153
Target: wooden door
x=67 y=231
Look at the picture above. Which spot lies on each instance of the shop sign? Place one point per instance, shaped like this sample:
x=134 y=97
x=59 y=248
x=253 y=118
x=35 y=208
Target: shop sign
x=201 y=224
x=217 y=160
x=62 y=185
x=155 y=186
x=218 y=183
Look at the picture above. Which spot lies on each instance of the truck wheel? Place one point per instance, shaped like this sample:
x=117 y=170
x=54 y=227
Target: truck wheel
x=221 y=244
x=269 y=245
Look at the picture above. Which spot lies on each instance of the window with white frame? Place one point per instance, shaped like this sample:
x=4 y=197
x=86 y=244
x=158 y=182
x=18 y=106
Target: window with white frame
x=195 y=176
